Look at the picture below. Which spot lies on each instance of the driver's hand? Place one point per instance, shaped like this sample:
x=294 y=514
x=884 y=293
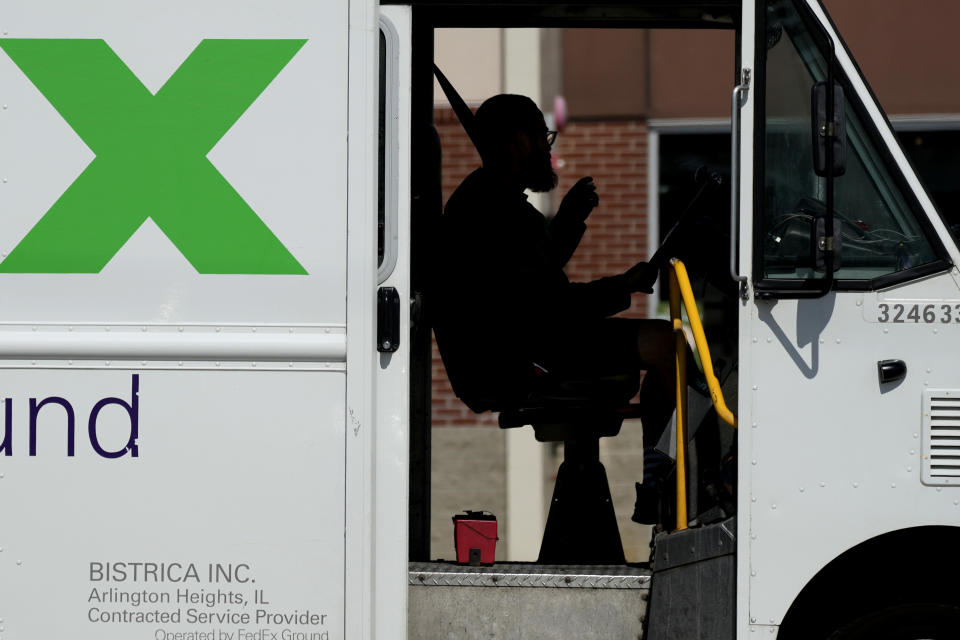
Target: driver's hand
x=579 y=201
x=641 y=276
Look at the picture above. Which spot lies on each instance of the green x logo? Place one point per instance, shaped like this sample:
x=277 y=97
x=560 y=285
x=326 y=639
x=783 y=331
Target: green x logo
x=151 y=156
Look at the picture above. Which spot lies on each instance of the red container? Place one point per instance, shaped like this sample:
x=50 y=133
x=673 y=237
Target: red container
x=475 y=537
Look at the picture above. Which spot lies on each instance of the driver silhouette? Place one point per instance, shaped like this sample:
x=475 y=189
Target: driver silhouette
x=506 y=315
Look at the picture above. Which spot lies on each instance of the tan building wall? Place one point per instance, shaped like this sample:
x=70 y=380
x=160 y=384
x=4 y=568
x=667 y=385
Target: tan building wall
x=472 y=60
x=905 y=48
x=619 y=73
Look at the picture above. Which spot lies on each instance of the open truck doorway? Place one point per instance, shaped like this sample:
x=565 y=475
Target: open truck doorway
x=602 y=108
x=599 y=88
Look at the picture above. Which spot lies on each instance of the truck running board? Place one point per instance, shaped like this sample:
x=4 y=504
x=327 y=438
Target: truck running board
x=513 y=600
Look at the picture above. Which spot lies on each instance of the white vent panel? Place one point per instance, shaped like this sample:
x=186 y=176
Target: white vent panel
x=941 y=437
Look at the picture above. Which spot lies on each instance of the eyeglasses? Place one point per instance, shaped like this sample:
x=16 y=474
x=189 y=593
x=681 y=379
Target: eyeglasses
x=551 y=137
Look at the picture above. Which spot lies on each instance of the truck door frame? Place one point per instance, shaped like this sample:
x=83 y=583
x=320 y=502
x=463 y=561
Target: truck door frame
x=428 y=15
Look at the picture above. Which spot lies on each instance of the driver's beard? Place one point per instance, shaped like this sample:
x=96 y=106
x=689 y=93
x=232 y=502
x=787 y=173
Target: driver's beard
x=543 y=181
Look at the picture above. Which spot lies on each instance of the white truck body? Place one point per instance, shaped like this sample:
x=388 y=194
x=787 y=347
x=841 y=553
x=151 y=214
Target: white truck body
x=197 y=444
x=242 y=482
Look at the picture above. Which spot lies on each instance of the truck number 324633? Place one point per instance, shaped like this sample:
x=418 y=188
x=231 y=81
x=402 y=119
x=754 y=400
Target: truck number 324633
x=929 y=313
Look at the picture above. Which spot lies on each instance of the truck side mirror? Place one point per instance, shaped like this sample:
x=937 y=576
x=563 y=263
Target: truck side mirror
x=827 y=132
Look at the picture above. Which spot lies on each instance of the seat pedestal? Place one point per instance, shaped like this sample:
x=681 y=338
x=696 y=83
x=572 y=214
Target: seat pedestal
x=582 y=525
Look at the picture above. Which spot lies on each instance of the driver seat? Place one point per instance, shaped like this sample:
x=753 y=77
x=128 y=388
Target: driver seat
x=581 y=525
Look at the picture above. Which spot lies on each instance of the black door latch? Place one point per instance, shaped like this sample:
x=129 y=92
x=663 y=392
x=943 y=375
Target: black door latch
x=388 y=320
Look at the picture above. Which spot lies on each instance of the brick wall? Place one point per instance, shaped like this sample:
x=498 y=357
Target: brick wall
x=614 y=153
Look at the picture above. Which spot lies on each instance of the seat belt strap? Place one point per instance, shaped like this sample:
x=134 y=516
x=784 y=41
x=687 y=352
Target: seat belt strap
x=464 y=114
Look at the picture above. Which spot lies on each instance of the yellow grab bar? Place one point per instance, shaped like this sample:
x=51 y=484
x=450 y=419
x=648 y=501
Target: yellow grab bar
x=680 y=290
x=679 y=273
x=680 y=360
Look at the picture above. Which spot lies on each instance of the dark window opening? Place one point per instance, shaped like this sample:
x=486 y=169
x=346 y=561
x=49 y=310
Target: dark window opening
x=381 y=153
x=934 y=155
x=681 y=156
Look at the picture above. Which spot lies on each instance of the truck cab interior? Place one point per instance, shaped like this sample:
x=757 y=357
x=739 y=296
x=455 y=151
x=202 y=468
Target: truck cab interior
x=581 y=527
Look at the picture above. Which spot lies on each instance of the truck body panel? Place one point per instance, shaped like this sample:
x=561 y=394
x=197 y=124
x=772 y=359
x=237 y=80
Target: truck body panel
x=173 y=344
x=199 y=437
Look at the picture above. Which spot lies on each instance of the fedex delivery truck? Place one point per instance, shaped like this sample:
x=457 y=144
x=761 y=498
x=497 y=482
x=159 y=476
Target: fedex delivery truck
x=215 y=216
